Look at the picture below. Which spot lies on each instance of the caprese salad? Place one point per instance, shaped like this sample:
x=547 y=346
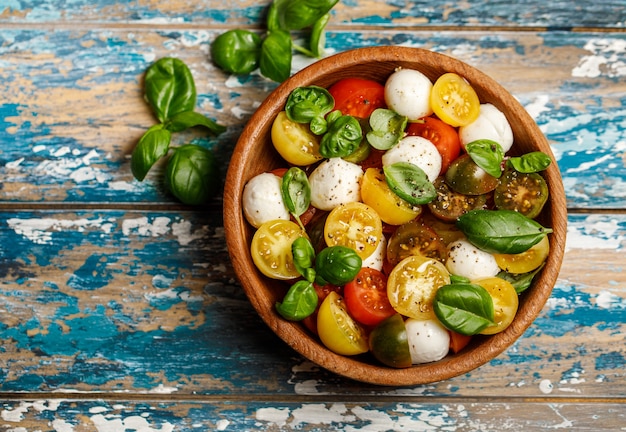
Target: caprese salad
x=399 y=222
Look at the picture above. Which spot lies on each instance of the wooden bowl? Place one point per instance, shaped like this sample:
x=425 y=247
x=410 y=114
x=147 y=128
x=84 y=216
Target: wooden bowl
x=255 y=154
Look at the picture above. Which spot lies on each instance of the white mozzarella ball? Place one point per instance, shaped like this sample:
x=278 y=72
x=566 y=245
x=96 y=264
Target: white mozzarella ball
x=335 y=182
x=429 y=340
x=376 y=259
x=491 y=124
x=263 y=201
x=407 y=92
x=418 y=151
x=466 y=260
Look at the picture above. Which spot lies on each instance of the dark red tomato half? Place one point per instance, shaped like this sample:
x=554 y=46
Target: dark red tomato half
x=442 y=135
x=366 y=297
x=358 y=97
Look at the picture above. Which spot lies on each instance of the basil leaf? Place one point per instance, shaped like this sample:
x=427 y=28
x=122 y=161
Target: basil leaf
x=237 y=51
x=318 y=36
x=299 y=14
x=521 y=282
x=501 y=231
x=531 y=162
x=488 y=155
x=410 y=183
x=464 y=308
x=170 y=88
x=343 y=137
x=188 y=119
x=310 y=105
x=275 y=59
x=296 y=192
x=304 y=258
x=153 y=145
x=337 y=265
x=387 y=128
x=299 y=302
x=192 y=174
x=458 y=279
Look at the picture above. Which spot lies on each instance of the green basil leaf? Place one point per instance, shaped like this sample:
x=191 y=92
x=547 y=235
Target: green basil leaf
x=318 y=36
x=458 y=279
x=531 y=162
x=275 y=60
x=237 y=51
x=310 y=105
x=343 y=137
x=410 y=183
x=304 y=257
x=296 y=192
x=170 y=88
x=273 y=21
x=153 y=145
x=387 y=128
x=464 y=308
x=488 y=155
x=501 y=231
x=192 y=174
x=521 y=282
x=188 y=119
x=300 y=14
x=337 y=265
x=299 y=302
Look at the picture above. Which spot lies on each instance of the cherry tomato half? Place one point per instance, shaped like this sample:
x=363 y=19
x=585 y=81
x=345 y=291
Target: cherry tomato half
x=523 y=192
x=310 y=322
x=449 y=205
x=526 y=261
x=294 y=141
x=366 y=297
x=454 y=100
x=505 y=302
x=442 y=135
x=354 y=225
x=337 y=330
x=389 y=343
x=271 y=248
x=358 y=97
x=465 y=177
x=415 y=238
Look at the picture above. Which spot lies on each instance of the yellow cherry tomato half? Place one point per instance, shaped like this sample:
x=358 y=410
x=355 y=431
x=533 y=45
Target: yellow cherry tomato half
x=505 y=302
x=454 y=100
x=355 y=225
x=336 y=328
x=526 y=261
x=413 y=283
x=376 y=193
x=294 y=141
x=271 y=248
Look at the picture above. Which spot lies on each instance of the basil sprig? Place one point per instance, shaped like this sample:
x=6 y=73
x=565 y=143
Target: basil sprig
x=343 y=137
x=501 y=231
x=192 y=174
x=488 y=155
x=464 y=308
x=241 y=51
x=309 y=105
x=296 y=192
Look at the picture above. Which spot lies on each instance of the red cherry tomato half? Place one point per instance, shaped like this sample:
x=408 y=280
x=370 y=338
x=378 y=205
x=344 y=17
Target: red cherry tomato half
x=442 y=135
x=366 y=297
x=358 y=97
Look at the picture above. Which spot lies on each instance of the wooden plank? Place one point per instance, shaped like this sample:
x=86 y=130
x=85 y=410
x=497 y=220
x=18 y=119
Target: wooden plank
x=474 y=13
x=68 y=132
x=146 y=301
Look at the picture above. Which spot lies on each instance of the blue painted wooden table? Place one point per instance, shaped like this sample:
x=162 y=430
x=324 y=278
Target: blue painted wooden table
x=119 y=309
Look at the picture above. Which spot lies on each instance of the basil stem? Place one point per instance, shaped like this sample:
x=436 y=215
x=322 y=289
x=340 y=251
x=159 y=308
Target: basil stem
x=276 y=54
x=501 y=231
x=337 y=265
x=387 y=128
x=310 y=105
x=304 y=258
x=191 y=174
x=299 y=302
x=410 y=183
x=531 y=162
x=488 y=155
x=237 y=51
x=296 y=192
x=153 y=145
x=464 y=308
x=170 y=88
x=343 y=137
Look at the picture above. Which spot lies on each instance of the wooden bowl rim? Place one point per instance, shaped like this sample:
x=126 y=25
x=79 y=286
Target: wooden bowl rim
x=293 y=333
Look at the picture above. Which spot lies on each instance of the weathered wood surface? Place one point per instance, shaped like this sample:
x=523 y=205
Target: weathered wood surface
x=118 y=307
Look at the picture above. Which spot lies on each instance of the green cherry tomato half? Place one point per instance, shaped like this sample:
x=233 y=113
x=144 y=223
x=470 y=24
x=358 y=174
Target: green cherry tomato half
x=336 y=328
x=389 y=343
x=465 y=177
x=523 y=192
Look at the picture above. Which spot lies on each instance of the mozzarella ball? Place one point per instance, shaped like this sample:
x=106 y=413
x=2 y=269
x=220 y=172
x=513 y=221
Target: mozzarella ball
x=376 y=259
x=491 y=124
x=334 y=182
x=418 y=151
x=262 y=200
x=466 y=260
x=429 y=340
x=407 y=92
